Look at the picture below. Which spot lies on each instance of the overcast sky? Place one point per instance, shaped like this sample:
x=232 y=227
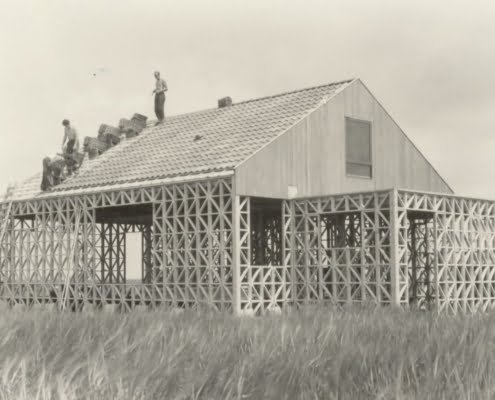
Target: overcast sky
x=430 y=63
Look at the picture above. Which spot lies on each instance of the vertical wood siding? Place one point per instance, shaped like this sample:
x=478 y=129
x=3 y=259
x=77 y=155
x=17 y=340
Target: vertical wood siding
x=311 y=155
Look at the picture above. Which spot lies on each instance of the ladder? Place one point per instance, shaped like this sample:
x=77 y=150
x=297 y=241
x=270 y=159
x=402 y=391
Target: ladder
x=5 y=213
x=6 y=210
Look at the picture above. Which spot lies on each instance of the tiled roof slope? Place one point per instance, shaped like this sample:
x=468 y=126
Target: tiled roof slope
x=228 y=136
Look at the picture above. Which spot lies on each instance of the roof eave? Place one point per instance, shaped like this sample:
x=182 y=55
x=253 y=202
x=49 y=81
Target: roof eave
x=127 y=186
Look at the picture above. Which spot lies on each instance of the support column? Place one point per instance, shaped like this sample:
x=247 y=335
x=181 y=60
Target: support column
x=435 y=261
x=236 y=258
x=394 y=247
x=292 y=249
x=146 y=266
x=413 y=286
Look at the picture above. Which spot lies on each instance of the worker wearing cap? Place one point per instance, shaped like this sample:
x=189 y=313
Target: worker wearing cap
x=70 y=143
x=159 y=92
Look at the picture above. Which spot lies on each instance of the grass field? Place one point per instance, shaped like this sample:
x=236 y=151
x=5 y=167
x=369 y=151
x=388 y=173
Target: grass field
x=316 y=354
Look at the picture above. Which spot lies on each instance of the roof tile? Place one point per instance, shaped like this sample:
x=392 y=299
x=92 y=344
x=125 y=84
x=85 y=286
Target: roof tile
x=228 y=136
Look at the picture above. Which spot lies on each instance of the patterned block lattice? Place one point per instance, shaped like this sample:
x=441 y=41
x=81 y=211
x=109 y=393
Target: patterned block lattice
x=456 y=246
x=57 y=248
x=388 y=247
x=339 y=248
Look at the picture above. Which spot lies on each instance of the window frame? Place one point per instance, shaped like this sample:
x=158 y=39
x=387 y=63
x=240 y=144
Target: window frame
x=370 y=164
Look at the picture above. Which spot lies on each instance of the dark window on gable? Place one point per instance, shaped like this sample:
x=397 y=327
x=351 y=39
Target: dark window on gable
x=358 y=147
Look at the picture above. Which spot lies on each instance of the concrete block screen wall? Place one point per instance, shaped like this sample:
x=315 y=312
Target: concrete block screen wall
x=392 y=247
x=201 y=244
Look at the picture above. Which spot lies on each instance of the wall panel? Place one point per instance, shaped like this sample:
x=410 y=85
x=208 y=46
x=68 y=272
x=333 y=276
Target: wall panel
x=311 y=155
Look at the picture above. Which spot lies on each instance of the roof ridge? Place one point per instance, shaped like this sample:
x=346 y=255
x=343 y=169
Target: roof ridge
x=152 y=121
x=295 y=91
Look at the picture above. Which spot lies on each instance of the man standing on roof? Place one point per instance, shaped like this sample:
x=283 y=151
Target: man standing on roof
x=70 y=144
x=159 y=92
x=70 y=148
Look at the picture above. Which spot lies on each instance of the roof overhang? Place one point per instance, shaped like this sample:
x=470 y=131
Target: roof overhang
x=126 y=186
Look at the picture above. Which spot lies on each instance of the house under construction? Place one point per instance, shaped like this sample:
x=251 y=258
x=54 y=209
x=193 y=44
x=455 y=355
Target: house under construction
x=312 y=196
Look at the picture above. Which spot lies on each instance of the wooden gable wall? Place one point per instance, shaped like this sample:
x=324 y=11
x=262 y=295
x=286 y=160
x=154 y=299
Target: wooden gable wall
x=309 y=159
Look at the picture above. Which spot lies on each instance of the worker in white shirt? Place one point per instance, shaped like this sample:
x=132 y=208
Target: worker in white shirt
x=159 y=92
x=70 y=148
x=70 y=143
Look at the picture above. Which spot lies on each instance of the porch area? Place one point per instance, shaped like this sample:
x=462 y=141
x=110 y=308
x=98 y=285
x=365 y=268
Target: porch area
x=202 y=246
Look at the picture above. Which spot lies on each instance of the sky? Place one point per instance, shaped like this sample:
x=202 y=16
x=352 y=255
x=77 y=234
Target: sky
x=430 y=63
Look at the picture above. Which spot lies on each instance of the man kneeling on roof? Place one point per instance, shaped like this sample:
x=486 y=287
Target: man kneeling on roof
x=58 y=167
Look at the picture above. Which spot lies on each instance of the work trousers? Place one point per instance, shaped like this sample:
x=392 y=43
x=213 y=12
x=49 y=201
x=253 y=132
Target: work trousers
x=160 y=106
x=70 y=146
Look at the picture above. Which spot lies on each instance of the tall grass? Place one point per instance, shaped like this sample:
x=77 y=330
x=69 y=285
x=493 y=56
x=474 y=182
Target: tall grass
x=316 y=354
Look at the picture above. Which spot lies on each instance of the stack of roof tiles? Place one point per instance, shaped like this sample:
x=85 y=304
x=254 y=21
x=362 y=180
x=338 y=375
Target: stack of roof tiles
x=109 y=136
x=134 y=126
x=195 y=144
x=94 y=147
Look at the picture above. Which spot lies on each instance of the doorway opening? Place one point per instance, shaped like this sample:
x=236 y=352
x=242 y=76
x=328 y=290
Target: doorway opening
x=266 y=231
x=124 y=245
x=421 y=258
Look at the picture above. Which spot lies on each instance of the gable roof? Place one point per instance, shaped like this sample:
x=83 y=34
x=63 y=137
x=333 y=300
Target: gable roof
x=227 y=136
